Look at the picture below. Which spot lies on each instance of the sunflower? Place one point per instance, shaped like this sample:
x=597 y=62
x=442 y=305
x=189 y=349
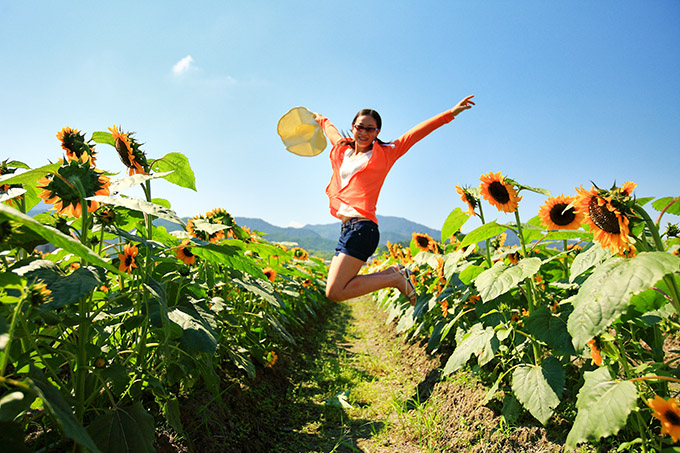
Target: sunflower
x=514 y=258
x=59 y=190
x=606 y=212
x=129 y=151
x=497 y=192
x=668 y=413
x=270 y=274
x=73 y=142
x=558 y=214
x=184 y=253
x=271 y=359
x=200 y=227
x=38 y=293
x=440 y=269
x=424 y=242
x=127 y=258
x=300 y=253
x=469 y=198
x=595 y=352
x=445 y=307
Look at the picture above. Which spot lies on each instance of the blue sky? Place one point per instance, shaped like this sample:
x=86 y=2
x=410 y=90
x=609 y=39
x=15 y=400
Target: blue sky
x=566 y=92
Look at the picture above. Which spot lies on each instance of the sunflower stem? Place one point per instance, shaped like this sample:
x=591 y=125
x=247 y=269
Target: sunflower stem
x=566 y=260
x=10 y=337
x=623 y=360
x=488 y=252
x=530 y=285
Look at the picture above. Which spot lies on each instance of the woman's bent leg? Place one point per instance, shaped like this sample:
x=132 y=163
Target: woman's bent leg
x=344 y=283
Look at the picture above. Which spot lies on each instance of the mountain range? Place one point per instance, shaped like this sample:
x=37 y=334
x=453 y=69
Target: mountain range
x=320 y=240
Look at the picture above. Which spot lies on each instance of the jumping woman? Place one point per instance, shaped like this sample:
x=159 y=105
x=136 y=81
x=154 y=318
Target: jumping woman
x=360 y=165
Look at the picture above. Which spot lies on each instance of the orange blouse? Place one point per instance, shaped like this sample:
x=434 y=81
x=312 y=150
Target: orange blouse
x=363 y=188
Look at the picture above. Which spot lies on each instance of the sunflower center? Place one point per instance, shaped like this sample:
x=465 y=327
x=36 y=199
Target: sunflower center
x=562 y=216
x=672 y=417
x=187 y=252
x=603 y=218
x=499 y=192
x=129 y=260
x=423 y=242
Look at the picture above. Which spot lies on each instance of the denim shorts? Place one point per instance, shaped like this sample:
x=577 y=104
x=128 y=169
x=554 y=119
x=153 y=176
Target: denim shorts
x=358 y=239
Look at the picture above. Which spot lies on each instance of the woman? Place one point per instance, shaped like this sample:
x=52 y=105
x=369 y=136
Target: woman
x=360 y=165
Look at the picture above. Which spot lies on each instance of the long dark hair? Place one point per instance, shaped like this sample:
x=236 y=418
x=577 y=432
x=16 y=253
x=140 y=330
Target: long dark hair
x=348 y=139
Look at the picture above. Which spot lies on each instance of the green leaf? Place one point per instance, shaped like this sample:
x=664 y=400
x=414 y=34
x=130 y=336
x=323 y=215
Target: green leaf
x=140 y=205
x=13 y=404
x=13 y=437
x=603 y=406
x=587 y=259
x=4 y=333
x=197 y=333
x=482 y=233
x=453 y=222
x=29 y=177
x=105 y=138
x=607 y=292
x=470 y=273
x=521 y=187
x=59 y=409
x=59 y=239
x=475 y=342
x=340 y=400
x=550 y=329
x=560 y=235
x=539 y=388
x=662 y=203
x=124 y=429
x=73 y=287
x=452 y=259
x=120 y=184
x=230 y=254
x=182 y=174
x=501 y=278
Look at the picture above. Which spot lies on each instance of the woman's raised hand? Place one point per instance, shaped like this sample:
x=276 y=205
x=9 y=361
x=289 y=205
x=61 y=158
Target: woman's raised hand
x=465 y=104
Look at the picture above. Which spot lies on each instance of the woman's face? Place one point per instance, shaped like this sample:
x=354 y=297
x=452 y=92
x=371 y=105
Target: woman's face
x=365 y=131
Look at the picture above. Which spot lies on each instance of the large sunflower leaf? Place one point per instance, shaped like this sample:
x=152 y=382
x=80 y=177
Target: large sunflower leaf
x=182 y=175
x=539 y=388
x=560 y=235
x=501 y=278
x=662 y=203
x=587 y=259
x=140 y=205
x=59 y=409
x=453 y=222
x=482 y=233
x=197 y=333
x=105 y=138
x=452 y=259
x=124 y=429
x=65 y=289
x=607 y=292
x=229 y=254
x=550 y=329
x=29 y=177
x=120 y=184
x=58 y=239
x=603 y=406
x=474 y=342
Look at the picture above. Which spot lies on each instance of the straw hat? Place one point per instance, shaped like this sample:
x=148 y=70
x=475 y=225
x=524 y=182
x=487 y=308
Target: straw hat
x=300 y=132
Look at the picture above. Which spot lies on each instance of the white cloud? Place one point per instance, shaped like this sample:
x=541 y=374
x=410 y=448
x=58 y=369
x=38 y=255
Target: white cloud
x=294 y=224
x=182 y=65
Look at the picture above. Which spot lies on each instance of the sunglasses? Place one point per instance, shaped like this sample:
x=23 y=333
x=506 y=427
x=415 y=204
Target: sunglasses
x=360 y=128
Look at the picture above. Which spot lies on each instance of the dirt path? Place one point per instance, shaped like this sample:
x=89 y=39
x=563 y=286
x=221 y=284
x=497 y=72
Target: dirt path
x=353 y=386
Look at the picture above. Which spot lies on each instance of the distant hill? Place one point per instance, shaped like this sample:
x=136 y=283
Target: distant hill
x=321 y=239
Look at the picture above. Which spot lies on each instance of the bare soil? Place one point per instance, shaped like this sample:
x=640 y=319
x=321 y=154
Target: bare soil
x=398 y=401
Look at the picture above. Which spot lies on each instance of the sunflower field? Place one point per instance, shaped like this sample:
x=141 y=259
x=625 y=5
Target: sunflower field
x=120 y=314
x=577 y=322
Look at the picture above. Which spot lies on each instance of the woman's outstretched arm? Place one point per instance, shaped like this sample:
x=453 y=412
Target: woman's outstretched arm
x=422 y=130
x=328 y=128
